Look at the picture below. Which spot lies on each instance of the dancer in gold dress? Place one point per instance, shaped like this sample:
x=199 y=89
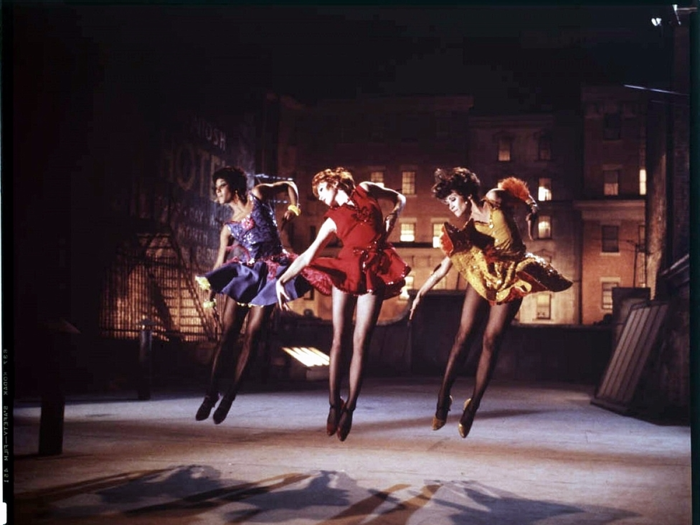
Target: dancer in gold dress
x=490 y=254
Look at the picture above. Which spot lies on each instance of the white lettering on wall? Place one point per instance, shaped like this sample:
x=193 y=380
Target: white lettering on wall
x=188 y=165
x=204 y=129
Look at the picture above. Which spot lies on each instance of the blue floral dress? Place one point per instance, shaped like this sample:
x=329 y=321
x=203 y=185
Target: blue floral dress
x=257 y=260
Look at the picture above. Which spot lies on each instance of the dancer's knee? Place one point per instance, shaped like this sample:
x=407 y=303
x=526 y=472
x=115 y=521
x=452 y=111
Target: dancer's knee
x=491 y=342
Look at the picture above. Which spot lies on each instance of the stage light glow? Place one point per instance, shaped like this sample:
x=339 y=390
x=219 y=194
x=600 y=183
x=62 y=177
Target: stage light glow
x=308 y=356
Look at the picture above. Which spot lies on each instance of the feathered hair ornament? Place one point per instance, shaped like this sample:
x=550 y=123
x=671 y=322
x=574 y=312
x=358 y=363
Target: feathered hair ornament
x=517 y=188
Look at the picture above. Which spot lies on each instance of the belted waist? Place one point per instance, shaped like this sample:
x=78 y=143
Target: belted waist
x=374 y=257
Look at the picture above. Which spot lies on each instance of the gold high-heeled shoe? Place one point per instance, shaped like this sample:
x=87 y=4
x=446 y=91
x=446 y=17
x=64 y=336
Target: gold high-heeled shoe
x=465 y=422
x=439 y=422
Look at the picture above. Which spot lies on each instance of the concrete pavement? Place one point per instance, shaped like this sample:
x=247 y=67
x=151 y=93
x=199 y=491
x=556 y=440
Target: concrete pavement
x=537 y=454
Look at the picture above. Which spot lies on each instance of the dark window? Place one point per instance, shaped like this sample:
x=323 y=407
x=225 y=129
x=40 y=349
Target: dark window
x=612 y=126
x=544 y=148
x=610 y=235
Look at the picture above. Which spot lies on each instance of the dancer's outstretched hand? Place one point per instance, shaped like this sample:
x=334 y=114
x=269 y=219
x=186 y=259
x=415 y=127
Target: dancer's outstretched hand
x=282 y=297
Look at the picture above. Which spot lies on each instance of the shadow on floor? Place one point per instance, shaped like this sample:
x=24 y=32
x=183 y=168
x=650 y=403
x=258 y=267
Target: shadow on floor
x=191 y=493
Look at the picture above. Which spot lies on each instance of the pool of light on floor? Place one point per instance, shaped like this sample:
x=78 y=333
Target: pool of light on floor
x=307 y=355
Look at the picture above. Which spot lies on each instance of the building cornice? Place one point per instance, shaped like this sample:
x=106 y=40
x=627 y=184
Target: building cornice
x=623 y=209
x=512 y=121
x=412 y=103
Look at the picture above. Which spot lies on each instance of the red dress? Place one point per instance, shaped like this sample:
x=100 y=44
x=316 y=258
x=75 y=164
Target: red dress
x=366 y=263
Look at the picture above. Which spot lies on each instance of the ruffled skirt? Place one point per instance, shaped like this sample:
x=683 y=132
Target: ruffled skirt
x=254 y=283
x=359 y=271
x=502 y=281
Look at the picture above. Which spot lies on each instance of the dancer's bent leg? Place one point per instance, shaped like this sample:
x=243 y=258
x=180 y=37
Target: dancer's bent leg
x=500 y=318
x=258 y=316
x=473 y=310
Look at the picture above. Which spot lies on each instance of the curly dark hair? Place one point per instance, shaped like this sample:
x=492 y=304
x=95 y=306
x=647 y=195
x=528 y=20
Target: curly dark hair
x=339 y=175
x=236 y=179
x=460 y=180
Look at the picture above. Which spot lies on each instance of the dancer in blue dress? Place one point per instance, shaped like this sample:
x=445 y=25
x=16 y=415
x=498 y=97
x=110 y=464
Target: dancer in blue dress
x=246 y=281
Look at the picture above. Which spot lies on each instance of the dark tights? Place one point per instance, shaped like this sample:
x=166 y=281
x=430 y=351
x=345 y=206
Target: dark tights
x=232 y=319
x=368 y=307
x=474 y=309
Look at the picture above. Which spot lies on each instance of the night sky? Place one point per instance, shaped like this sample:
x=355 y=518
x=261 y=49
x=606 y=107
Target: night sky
x=316 y=52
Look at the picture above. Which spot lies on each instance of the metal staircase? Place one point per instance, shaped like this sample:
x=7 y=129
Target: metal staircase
x=149 y=278
x=173 y=289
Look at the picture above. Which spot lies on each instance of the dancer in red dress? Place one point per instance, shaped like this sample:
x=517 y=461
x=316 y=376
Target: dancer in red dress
x=366 y=271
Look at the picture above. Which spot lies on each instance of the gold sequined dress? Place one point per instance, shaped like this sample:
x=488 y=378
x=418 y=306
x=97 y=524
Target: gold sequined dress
x=494 y=261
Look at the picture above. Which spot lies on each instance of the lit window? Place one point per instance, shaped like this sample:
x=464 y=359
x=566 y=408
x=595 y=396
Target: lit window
x=612 y=129
x=611 y=182
x=544 y=148
x=642 y=181
x=544 y=305
x=640 y=255
x=408 y=286
x=437 y=232
x=609 y=236
x=408 y=232
x=408 y=182
x=544 y=227
x=607 y=294
x=377 y=176
x=504 y=149
x=544 y=190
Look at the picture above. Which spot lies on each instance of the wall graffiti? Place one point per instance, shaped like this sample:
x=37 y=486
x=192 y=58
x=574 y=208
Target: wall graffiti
x=191 y=150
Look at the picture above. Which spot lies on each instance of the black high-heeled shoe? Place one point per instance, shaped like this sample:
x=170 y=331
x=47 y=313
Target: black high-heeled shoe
x=222 y=410
x=345 y=423
x=465 y=422
x=334 y=413
x=205 y=408
x=440 y=417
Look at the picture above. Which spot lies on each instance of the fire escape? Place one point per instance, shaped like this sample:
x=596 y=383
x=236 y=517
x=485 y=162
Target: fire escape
x=149 y=278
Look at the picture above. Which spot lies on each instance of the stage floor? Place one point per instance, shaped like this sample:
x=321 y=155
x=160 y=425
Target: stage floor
x=537 y=454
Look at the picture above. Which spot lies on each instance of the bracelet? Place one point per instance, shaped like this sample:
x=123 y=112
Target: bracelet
x=296 y=210
x=203 y=282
